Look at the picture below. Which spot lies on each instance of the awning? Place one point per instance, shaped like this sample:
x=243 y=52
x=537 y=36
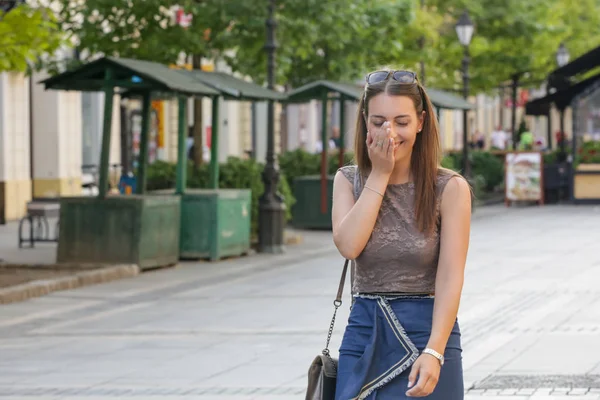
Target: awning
x=562 y=98
x=128 y=74
x=316 y=90
x=447 y=100
x=234 y=88
x=580 y=65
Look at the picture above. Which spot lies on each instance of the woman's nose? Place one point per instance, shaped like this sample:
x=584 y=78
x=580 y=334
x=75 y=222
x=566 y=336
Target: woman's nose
x=391 y=130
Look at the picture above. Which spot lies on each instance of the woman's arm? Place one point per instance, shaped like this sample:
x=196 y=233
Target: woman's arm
x=454 y=243
x=353 y=221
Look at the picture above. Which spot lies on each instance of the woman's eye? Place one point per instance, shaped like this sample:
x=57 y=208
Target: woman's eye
x=401 y=123
x=377 y=124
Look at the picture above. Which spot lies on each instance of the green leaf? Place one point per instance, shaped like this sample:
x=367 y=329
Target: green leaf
x=27 y=35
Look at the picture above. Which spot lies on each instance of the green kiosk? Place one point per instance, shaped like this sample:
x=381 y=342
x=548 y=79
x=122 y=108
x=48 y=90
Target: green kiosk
x=154 y=229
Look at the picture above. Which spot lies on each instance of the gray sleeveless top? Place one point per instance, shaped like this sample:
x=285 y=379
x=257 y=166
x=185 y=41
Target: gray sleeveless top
x=398 y=257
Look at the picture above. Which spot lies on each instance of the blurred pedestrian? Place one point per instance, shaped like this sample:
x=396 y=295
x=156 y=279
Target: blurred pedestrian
x=335 y=137
x=499 y=138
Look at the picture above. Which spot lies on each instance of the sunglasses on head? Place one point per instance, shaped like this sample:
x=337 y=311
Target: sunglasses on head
x=405 y=77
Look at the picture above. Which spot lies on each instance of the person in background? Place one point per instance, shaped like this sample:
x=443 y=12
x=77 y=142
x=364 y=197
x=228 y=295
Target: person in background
x=189 y=143
x=559 y=137
x=526 y=141
x=540 y=142
x=335 y=137
x=319 y=145
x=479 y=140
x=499 y=139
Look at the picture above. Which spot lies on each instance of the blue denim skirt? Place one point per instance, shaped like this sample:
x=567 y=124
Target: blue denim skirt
x=383 y=338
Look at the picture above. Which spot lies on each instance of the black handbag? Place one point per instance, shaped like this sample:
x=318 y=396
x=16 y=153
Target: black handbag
x=322 y=374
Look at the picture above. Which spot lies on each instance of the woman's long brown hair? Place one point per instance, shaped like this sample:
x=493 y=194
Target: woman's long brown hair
x=426 y=153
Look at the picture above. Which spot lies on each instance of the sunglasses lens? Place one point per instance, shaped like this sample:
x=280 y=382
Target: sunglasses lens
x=404 y=76
x=377 y=77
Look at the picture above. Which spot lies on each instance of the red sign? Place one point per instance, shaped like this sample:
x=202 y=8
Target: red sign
x=208 y=136
x=522 y=99
x=183 y=19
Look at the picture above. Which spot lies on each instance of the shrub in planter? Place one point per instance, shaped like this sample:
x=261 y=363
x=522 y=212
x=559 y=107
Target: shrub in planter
x=334 y=160
x=299 y=162
x=588 y=153
x=489 y=167
x=449 y=162
x=553 y=156
x=161 y=175
x=234 y=174
x=486 y=165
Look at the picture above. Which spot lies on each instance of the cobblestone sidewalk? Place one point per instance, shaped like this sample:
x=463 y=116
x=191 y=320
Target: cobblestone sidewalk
x=247 y=329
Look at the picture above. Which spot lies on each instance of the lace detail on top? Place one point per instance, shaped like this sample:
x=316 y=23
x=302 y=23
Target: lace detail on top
x=398 y=257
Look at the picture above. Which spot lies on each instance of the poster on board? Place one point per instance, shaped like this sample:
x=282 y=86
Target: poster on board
x=524 y=177
x=156 y=144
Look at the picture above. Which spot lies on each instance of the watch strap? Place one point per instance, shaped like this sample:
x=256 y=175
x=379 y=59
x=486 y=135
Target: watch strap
x=434 y=353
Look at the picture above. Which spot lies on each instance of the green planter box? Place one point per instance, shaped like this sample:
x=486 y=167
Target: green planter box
x=215 y=223
x=306 y=212
x=142 y=230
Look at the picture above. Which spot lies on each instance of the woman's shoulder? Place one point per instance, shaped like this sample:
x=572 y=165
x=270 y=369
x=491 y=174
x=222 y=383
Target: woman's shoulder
x=444 y=175
x=349 y=171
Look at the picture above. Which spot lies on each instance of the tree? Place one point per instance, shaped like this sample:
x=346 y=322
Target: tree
x=336 y=40
x=27 y=35
x=147 y=30
x=421 y=43
x=513 y=39
x=317 y=39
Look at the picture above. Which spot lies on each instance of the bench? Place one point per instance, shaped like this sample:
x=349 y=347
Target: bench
x=38 y=213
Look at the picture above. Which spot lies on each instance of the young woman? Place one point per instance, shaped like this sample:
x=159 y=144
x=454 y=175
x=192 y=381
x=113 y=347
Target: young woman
x=405 y=222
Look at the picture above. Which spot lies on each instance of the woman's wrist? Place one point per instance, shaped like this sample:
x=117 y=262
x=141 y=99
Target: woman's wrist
x=378 y=180
x=437 y=345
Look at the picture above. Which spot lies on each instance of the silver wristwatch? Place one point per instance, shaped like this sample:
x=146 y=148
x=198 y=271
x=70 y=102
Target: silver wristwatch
x=434 y=353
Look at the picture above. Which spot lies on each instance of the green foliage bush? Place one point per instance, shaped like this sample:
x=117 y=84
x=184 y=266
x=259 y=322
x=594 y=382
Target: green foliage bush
x=161 y=175
x=488 y=172
x=302 y=163
x=486 y=165
x=234 y=174
x=588 y=153
x=449 y=162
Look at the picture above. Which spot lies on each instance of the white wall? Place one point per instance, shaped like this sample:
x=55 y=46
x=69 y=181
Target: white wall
x=91 y=128
x=14 y=127
x=57 y=132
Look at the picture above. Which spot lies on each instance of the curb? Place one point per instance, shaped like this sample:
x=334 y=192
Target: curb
x=40 y=288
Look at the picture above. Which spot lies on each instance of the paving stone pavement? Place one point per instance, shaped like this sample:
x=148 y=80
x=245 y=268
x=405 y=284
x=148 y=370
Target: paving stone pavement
x=42 y=253
x=248 y=328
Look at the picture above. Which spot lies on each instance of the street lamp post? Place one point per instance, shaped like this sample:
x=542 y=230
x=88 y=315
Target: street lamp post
x=464 y=30
x=271 y=217
x=562 y=59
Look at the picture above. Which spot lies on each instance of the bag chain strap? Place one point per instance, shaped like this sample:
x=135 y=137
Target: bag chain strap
x=336 y=303
x=326 y=353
